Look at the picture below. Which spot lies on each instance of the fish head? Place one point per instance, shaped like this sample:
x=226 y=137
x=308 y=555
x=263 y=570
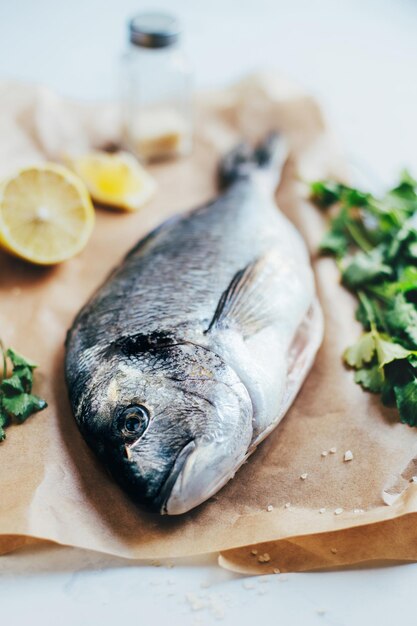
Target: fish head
x=172 y=425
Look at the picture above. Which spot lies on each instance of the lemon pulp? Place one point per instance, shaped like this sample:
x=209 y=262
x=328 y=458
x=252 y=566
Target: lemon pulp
x=115 y=180
x=46 y=215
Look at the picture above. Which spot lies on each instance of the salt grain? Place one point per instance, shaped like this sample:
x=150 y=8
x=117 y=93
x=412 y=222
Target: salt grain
x=322 y=510
x=304 y=476
x=324 y=453
x=414 y=479
x=205 y=584
x=338 y=511
x=348 y=455
x=248 y=585
x=195 y=602
x=276 y=570
x=358 y=511
x=333 y=450
x=333 y=550
x=264 y=558
x=287 y=505
x=254 y=552
x=269 y=508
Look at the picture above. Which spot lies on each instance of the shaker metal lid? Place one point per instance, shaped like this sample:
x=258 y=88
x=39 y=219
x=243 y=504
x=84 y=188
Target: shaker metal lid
x=154 y=30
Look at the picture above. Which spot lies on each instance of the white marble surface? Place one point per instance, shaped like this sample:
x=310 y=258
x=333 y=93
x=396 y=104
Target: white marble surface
x=73 y=588
x=359 y=57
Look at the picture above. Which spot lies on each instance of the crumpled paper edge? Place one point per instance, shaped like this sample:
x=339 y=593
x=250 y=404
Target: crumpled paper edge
x=393 y=540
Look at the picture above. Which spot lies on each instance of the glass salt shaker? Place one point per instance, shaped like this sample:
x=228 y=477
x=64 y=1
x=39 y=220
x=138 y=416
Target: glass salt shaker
x=157 y=89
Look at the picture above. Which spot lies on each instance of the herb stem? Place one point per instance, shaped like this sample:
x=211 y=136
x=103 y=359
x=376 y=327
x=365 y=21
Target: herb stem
x=3 y=354
x=368 y=309
x=358 y=238
x=378 y=294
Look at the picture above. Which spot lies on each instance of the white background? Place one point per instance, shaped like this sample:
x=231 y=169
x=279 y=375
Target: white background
x=359 y=57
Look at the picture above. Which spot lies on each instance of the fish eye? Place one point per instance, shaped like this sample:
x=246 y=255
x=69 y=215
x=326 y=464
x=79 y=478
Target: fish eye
x=134 y=420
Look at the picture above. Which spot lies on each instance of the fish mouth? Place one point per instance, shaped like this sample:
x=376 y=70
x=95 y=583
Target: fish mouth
x=166 y=489
x=198 y=473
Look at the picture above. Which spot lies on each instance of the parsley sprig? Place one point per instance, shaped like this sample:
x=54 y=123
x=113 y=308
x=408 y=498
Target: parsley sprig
x=17 y=402
x=374 y=241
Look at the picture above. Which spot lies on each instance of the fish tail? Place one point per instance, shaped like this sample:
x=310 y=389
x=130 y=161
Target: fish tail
x=241 y=162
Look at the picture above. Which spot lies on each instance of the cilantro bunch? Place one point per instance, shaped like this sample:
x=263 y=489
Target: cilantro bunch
x=17 y=402
x=374 y=241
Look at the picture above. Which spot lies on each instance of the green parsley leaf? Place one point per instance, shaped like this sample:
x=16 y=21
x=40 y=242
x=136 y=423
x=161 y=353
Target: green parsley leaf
x=401 y=318
x=402 y=240
x=17 y=402
x=4 y=420
x=354 y=197
x=334 y=243
x=388 y=351
x=361 y=352
x=406 y=398
x=20 y=361
x=25 y=375
x=412 y=251
x=388 y=394
x=23 y=405
x=373 y=343
x=325 y=193
x=406 y=188
x=369 y=312
x=371 y=378
x=407 y=281
x=408 y=179
x=12 y=385
x=365 y=268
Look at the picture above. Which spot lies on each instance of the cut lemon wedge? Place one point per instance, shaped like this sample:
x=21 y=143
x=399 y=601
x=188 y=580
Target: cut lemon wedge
x=116 y=180
x=46 y=215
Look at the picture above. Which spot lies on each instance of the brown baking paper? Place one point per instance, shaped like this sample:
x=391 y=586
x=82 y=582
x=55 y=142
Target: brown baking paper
x=52 y=488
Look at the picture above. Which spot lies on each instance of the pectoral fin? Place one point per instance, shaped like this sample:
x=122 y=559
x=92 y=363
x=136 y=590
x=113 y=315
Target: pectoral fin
x=249 y=302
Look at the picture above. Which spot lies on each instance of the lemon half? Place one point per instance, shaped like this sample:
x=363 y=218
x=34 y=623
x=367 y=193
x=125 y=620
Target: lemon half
x=46 y=215
x=116 y=180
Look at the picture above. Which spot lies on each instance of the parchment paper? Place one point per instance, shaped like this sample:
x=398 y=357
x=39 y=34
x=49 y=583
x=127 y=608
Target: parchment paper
x=52 y=488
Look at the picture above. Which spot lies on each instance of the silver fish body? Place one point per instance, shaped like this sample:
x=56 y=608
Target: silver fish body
x=193 y=349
